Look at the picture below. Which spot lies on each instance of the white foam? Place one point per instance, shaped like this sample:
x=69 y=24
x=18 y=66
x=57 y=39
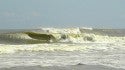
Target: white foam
x=89 y=38
x=38 y=47
x=91 y=54
x=88 y=28
x=62 y=30
x=74 y=35
x=55 y=47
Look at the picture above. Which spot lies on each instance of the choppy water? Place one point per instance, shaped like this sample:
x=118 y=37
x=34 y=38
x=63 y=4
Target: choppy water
x=58 y=47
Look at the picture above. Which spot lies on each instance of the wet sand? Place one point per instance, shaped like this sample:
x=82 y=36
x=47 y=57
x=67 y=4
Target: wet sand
x=73 y=67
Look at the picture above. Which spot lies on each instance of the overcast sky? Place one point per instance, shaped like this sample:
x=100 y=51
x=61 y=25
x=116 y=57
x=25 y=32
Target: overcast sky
x=62 y=13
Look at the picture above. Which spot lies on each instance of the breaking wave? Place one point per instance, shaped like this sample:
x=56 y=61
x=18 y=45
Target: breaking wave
x=92 y=44
x=51 y=39
x=54 y=35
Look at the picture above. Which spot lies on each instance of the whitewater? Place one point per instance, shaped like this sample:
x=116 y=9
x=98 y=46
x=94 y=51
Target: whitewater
x=62 y=46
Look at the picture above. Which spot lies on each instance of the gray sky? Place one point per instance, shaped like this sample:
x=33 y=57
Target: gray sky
x=62 y=13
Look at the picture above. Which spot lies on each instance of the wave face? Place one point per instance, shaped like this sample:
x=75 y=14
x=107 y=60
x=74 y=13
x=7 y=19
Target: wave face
x=69 y=35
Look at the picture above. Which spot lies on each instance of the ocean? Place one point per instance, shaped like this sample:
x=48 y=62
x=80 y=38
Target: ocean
x=47 y=47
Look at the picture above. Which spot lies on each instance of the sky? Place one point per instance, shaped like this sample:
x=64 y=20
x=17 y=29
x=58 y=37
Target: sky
x=19 y=14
